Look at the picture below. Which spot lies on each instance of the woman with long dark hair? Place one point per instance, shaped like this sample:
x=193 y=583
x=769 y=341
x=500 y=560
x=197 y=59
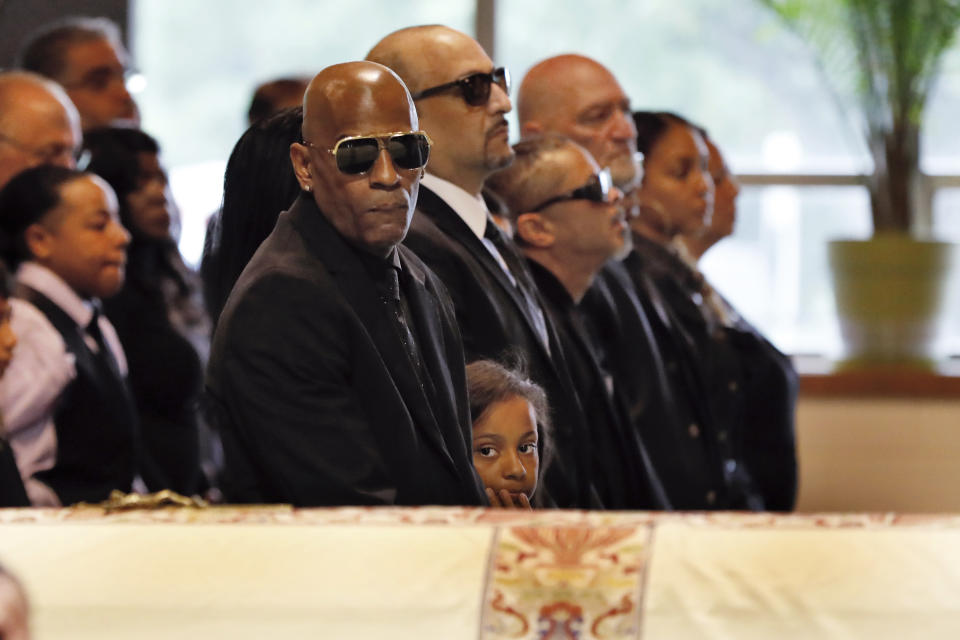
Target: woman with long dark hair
x=748 y=387
x=158 y=313
x=258 y=184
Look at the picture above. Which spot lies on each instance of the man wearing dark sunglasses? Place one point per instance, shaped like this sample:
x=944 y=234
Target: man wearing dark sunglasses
x=337 y=371
x=462 y=98
x=569 y=222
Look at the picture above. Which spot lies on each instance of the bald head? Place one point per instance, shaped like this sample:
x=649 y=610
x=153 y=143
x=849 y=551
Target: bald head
x=370 y=208
x=38 y=124
x=580 y=98
x=341 y=96
x=416 y=54
x=543 y=94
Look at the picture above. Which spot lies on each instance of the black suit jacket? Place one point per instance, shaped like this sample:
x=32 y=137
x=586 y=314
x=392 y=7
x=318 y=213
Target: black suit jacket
x=751 y=386
x=316 y=398
x=665 y=403
x=496 y=324
x=622 y=473
x=740 y=381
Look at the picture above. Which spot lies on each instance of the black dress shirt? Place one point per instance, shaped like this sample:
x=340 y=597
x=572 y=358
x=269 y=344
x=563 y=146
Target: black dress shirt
x=318 y=399
x=621 y=471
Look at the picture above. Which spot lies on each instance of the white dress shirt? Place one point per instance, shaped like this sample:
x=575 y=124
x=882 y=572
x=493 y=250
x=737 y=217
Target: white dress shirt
x=472 y=210
x=40 y=370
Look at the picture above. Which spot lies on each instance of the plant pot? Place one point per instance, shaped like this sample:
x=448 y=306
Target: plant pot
x=889 y=292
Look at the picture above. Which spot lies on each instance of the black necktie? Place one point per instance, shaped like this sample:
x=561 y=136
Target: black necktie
x=395 y=304
x=524 y=285
x=105 y=355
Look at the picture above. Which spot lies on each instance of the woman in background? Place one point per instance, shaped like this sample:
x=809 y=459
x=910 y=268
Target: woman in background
x=258 y=184
x=750 y=386
x=724 y=215
x=158 y=313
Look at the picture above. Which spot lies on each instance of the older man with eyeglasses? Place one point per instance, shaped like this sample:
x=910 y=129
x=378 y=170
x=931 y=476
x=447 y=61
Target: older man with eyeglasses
x=38 y=124
x=462 y=98
x=337 y=371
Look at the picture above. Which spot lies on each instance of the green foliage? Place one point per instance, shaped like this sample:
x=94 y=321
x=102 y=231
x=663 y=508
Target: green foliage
x=886 y=53
x=882 y=57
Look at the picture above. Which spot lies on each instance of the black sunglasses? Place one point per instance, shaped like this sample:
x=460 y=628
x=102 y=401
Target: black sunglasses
x=597 y=189
x=357 y=154
x=475 y=87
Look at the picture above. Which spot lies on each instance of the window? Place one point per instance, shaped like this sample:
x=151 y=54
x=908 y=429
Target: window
x=726 y=65
x=202 y=61
x=730 y=66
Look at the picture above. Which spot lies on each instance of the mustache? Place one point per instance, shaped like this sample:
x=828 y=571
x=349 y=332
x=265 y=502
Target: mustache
x=495 y=129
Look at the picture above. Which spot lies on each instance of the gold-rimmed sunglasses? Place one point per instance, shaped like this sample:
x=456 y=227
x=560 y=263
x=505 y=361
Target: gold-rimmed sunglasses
x=357 y=154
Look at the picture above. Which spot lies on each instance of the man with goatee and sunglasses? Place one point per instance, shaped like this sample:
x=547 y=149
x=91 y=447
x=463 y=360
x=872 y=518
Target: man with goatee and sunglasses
x=337 y=370
x=462 y=98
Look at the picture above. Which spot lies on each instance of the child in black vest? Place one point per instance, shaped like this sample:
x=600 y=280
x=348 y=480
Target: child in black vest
x=70 y=419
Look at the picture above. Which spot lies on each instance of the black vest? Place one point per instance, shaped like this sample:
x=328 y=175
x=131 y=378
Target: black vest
x=95 y=419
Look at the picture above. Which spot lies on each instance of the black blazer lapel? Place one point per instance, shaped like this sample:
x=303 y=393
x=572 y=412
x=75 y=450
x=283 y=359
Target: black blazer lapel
x=356 y=285
x=424 y=307
x=453 y=225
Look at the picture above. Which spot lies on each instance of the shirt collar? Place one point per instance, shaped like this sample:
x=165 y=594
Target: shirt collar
x=471 y=209
x=40 y=278
x=371 y=261
x=394 y=259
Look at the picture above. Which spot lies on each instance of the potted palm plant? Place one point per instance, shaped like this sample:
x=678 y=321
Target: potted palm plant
x=881 y=59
